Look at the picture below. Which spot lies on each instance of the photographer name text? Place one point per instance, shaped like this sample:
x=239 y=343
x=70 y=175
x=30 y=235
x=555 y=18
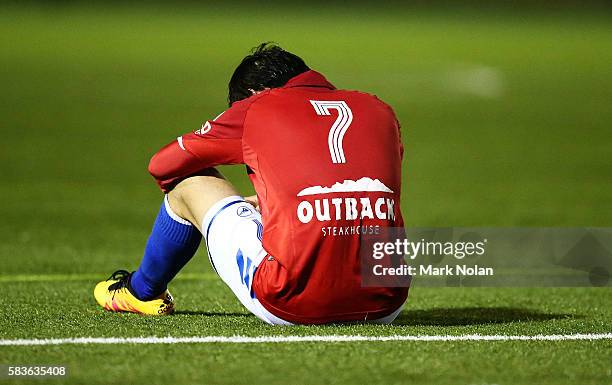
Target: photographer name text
x=431 y=270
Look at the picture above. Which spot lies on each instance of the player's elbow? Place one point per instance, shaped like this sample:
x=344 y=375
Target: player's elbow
x=156 y=167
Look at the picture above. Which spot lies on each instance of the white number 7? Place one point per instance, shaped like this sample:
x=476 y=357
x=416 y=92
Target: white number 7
x=338 y=129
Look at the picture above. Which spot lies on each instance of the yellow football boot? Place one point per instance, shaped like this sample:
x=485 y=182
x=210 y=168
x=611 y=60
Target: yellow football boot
x=114 y=295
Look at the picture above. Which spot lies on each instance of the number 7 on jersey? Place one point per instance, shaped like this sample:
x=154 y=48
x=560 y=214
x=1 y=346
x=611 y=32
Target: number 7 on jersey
x=338 y=129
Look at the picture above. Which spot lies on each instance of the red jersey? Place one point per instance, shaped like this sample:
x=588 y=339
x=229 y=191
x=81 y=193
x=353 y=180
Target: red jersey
x=326 y=166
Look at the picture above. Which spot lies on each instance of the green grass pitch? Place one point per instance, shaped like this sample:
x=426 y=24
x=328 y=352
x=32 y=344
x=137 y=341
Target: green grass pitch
x=506 y=122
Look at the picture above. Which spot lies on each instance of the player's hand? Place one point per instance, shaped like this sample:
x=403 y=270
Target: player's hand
x=253 y=200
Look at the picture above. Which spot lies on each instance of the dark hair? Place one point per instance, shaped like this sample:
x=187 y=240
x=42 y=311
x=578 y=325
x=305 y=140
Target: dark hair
x=268 y=66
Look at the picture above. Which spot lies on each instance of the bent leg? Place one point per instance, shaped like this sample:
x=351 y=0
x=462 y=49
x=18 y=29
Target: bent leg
x=232 y=229
x=174 y=239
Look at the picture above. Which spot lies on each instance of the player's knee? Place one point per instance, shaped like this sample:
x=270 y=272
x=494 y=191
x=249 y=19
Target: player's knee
x=212 y=186
x=185 y=193
x=177 y=203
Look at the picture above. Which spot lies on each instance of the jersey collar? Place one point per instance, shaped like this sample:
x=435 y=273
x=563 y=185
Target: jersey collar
x=309 y=78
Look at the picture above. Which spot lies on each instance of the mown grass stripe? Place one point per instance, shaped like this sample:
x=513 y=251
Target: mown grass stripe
x=293 y=339
x=89 y=277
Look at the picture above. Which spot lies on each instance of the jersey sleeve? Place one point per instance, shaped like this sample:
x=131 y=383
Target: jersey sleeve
x=397 y=125
x=217 y=142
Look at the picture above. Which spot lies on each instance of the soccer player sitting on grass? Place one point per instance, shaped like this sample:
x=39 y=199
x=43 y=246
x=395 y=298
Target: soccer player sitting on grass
x=326 y=166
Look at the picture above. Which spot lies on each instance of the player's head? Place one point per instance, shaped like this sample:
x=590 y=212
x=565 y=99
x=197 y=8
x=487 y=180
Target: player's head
x=268 y=66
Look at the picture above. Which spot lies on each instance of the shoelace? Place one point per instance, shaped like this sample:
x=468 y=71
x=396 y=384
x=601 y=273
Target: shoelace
x=122 y=277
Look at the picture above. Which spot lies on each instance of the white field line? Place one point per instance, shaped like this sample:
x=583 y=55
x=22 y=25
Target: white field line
x=292 y=339
x=89 y=277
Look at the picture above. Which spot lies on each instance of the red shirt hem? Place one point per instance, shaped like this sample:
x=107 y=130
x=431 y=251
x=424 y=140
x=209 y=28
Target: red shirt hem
x=334 y=318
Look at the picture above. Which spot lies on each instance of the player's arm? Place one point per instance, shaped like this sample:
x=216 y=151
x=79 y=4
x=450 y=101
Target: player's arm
x=174 y=162
x=218 y=142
